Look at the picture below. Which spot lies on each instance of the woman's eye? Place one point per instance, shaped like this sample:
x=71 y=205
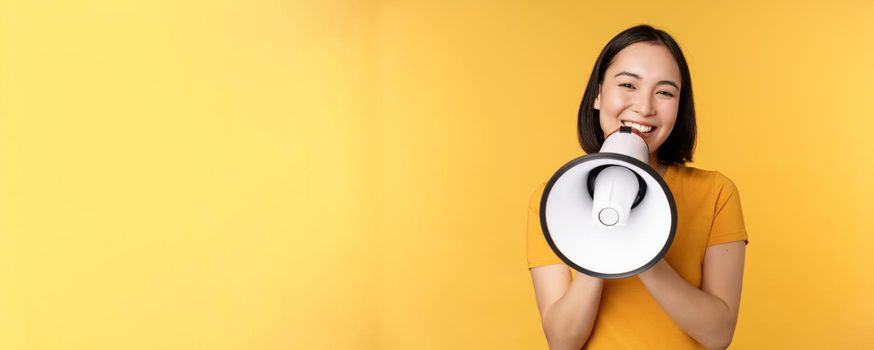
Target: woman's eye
x=626 y=85
x=666 y=93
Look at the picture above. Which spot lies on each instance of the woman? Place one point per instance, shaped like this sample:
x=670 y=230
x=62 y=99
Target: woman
x=690 y=298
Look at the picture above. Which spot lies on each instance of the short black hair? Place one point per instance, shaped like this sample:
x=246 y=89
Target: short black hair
x=680 y=144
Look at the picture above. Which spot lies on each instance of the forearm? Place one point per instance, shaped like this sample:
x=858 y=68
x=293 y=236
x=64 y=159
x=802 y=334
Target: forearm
x=702 y=316
x=569 y=321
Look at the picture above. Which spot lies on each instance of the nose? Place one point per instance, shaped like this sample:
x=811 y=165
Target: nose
x=644 y=106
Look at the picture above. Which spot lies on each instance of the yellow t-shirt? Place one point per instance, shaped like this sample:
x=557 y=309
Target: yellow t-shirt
x=708 y=213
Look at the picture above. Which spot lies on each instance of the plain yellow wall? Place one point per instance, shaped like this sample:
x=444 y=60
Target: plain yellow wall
x=187 y=175
x=355 y=174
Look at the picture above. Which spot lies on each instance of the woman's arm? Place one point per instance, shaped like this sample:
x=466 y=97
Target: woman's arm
x=568 y=307
x=709 y=314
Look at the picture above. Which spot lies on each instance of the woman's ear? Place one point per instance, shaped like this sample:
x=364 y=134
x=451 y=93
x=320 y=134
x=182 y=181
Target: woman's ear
x=598 y=99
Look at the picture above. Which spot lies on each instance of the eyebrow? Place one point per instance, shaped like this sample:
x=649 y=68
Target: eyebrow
x=661 y=82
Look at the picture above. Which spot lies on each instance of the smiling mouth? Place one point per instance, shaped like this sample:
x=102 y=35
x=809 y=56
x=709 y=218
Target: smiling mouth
x=644 y=129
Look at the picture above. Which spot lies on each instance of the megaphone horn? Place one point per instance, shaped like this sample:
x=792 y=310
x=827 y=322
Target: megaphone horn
x=609 y=214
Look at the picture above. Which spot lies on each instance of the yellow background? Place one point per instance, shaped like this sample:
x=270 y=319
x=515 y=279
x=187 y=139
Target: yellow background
x=355 y=174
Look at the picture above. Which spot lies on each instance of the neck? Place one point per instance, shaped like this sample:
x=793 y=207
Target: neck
x=658 y=167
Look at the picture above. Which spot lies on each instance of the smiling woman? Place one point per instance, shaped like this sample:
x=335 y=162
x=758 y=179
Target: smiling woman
x=641 y=77
x=689 y=299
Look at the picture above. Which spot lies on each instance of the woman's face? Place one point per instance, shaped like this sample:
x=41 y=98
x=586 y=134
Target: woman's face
x=641 y=88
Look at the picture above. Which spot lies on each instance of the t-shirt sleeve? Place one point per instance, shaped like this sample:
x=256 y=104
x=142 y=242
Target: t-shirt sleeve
x=539 y=252
x=728 y=221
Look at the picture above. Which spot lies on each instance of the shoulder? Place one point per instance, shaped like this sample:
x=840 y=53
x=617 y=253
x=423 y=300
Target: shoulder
x=704 y=178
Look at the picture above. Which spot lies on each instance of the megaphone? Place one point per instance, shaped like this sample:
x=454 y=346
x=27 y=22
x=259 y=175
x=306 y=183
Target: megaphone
x=609 y=214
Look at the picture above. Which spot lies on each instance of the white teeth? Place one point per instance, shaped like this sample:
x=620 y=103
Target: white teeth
x=641 y=128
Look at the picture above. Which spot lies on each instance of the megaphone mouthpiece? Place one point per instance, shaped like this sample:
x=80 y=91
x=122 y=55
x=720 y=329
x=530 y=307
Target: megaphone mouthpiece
x=627 y=141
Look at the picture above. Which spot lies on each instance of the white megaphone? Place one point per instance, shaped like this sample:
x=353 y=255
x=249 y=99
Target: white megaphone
x=609 y=214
